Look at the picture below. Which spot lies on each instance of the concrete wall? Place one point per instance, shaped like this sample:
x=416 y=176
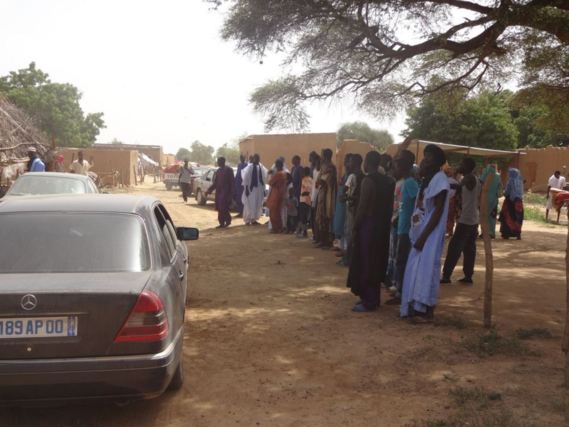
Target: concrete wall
x=106 y=161
x=394 y=149
x=270 y=147
x=538 y=164
x=155 y=152
x=168 y=160
x=351 y=146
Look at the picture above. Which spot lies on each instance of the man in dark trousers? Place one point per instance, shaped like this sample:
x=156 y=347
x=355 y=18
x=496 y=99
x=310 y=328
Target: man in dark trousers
x=463 y=241
x=223 y=186
x=296 y=173
x=371 y=235
x=185 y=180
x=238 y=186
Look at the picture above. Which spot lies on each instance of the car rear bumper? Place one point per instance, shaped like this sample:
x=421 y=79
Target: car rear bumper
x=121 y=377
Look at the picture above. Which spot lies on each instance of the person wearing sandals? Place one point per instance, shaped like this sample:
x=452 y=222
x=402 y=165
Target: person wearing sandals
x=371 y=236
x=428 y=225
x=463 y=241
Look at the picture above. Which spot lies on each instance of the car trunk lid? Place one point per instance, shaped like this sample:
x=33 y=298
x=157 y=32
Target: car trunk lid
x=65 y=314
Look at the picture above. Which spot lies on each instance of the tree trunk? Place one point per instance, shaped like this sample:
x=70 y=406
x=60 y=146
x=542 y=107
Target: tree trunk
x=489 y=257
x=565 y=341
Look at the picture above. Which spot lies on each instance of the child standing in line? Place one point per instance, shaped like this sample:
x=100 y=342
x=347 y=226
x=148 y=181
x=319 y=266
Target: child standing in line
x=292 y=212
x=305 y=203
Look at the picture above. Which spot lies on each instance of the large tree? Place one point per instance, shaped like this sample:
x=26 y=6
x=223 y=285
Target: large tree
x=481 y=121
x=538 y=126
x=489 y=119
x=54 y=106
x=230 y=152
x=201 y=153
x=183 y=154
x=387 y=53
x=361 y=131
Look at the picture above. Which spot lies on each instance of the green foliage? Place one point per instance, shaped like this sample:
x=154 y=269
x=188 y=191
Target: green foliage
x=451 y=321
x=537 y=214
x=183 y=154
x=278 y=102
x=54 y=106
x=483 y=121
x=476 y=396
x=361 y=131
x=491 y=344
x=542 y=116
x=230 y=152
x=385 y=54
x=535 y=199
x=201 y=153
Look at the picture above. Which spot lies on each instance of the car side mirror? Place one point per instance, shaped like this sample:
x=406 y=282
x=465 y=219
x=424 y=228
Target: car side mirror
x=187 y=233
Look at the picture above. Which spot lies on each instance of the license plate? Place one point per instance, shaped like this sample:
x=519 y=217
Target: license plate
x=38 y=327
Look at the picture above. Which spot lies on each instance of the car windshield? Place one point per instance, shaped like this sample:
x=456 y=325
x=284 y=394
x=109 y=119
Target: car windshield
x=41 y=242
x=36 y=185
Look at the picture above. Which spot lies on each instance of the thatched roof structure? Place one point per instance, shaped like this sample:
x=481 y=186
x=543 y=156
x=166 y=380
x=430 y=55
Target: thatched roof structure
x=17 y=133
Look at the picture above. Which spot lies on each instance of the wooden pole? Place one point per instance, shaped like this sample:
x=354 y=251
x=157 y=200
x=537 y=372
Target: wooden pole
x=489 y=257
x=565 y=341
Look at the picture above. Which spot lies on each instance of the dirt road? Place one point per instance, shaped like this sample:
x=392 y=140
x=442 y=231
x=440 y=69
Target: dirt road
x=271 y=341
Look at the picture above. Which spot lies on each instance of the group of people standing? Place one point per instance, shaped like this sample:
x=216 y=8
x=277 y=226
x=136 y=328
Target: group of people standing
x=388 y=217
x=36 y=164
x=245 y=189
x=510 y=215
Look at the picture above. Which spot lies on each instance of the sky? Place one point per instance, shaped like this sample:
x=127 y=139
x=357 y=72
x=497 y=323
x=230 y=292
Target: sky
x=159 y=71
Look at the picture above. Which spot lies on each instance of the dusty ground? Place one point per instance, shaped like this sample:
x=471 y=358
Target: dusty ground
x=271 y=341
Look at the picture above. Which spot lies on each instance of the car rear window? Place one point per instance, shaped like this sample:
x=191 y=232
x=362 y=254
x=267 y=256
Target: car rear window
x=42 y=242
x=47 y=185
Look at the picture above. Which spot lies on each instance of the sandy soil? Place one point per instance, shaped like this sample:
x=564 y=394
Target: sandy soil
x=271 y=340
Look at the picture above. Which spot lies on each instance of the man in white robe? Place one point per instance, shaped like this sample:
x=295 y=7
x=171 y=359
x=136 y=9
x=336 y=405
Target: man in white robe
x=254 y=180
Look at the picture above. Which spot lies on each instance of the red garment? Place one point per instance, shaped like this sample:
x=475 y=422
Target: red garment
x=275 y=199
x=560 y=199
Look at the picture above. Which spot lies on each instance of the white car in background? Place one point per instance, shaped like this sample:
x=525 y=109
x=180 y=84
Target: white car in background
x=46 y=183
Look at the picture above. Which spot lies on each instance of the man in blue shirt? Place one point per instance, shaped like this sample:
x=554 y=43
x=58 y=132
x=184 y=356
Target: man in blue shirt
x=409 y=190
x=35 y=164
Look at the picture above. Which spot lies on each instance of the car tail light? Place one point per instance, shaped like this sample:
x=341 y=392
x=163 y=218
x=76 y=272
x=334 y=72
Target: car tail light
x=146 y=322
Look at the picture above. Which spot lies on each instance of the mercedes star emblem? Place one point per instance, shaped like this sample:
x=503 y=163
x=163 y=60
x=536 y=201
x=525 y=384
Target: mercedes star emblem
x=29 y=302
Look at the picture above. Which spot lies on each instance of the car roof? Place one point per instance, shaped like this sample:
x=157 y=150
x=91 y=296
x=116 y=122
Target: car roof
x=110 y=203
x=65 y=175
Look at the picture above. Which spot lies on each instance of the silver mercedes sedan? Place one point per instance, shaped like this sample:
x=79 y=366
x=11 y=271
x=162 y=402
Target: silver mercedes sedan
x=92 y=298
